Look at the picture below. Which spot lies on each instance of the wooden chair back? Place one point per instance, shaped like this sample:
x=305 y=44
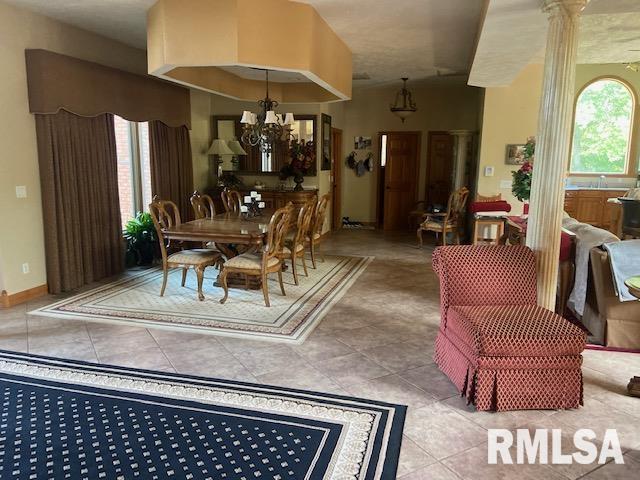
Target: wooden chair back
x=165 y=214
x=202 y=205
x=231 y=199
x=277 y=231
x=320 y=215
x=456 y=204
x=305 y=215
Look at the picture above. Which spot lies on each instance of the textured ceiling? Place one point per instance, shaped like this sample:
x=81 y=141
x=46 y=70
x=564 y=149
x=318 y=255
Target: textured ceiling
x=415 y=38
x=513 y=35
x=389 y=38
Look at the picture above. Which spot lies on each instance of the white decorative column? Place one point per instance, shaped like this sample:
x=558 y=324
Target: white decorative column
x=552 y=145
x=461 y=150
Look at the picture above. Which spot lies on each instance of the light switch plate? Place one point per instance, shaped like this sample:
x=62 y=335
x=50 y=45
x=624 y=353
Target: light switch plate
x=506 y=184
x=21 y=191
x=488 y=171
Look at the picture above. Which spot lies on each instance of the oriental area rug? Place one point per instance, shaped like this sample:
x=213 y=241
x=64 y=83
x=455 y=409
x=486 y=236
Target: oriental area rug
x=135 y=300
x=77 y=420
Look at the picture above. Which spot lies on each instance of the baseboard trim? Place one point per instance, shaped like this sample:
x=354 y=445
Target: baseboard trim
x=7 y=301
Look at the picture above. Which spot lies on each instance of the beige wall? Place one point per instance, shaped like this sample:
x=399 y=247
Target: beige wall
x=200 y=138
x=510 y=115
x=21 y=237
x=439 y=108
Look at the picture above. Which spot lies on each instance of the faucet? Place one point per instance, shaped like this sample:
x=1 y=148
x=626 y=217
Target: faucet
x=602 y=181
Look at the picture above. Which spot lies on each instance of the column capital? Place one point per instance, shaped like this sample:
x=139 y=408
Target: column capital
x=571 y=8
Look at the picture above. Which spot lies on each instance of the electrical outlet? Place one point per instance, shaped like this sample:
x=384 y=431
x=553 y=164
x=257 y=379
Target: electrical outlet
x=25 y=268
x=21 y=191
x=488 y=171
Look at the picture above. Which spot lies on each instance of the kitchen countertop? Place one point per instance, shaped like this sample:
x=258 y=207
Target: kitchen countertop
x=620 y=188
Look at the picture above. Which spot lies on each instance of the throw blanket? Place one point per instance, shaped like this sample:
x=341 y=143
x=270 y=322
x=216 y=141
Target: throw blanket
x=587 y=237
x=624 y=258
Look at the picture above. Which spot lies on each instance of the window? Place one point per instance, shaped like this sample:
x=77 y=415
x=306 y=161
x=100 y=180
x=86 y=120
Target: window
x=602 y=129
x=383 y=151
x=134 y=167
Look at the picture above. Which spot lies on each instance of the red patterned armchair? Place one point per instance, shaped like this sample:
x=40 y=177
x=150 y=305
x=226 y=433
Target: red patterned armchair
x=500 y=348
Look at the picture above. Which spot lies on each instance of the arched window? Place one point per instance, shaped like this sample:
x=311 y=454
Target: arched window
x=602 y=129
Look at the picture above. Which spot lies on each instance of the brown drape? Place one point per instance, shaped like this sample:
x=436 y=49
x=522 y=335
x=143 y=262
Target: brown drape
x=79 y=182
x=171 y=165
x=85 y=88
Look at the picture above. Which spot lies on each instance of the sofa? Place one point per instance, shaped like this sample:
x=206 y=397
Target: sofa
x=500 y=349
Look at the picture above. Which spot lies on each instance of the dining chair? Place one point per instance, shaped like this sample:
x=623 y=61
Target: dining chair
x=317 y=224
x=165 y=215
x=231 y=199
x=202 y=205
x=262 y=263
x=446 y=222
x=294 y=245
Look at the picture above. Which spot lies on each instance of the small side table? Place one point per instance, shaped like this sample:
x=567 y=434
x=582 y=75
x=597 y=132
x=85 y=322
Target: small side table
x=480 y=222
x=633 y=284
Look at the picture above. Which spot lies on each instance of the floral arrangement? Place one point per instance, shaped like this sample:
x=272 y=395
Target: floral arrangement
x=303 y=159
x=521 y=185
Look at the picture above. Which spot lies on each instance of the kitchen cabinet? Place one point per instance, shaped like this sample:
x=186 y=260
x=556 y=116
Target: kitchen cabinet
x=590 y=206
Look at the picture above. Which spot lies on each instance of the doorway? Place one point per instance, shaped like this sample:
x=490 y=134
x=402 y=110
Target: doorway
x=398 y=181
x=335 y=177
x=439 y=168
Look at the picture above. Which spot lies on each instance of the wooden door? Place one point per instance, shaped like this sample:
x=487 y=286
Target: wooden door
x=336 y=171
x=439 y=168
x=400 y=178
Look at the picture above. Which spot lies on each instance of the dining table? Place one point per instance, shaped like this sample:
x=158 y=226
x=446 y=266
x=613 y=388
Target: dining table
x=231 y=233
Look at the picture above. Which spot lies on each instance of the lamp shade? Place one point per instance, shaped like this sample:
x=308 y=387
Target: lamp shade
x=288 y=119
x=236 y=148
x=271 y=117
x=247 y=117
x=219 y=147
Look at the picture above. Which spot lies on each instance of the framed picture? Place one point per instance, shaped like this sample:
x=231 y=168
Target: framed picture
x=515 y=154
x=361 y=143
x=326 y=142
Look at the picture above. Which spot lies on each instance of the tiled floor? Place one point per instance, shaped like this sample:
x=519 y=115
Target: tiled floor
x=377 y=342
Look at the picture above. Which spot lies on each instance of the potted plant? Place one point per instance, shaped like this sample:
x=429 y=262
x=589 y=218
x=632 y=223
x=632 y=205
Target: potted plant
x=521 y=184
x=302 y=159
x=142 y=241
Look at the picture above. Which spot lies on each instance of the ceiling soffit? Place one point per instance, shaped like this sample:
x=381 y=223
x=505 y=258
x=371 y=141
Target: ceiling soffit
x=195 y=46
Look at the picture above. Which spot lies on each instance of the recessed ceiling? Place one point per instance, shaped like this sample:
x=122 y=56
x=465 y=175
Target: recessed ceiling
x=389 y=38
x=259 y=74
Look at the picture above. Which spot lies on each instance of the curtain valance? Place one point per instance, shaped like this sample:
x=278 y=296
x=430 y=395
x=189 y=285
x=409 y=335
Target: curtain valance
x=59 y=82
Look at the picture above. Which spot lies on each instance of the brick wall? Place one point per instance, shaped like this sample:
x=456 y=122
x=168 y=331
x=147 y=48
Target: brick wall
x=125 y=186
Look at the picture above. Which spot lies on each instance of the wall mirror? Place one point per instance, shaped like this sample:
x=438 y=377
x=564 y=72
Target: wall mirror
x=228 y=127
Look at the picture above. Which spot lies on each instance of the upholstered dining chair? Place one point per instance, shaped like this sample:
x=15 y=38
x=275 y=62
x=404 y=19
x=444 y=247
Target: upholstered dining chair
x=165 y=215
x=262 y=263
x=231 y=199
x=294 y=244
x=446 y=222
x=317 y=224
x=202 y=205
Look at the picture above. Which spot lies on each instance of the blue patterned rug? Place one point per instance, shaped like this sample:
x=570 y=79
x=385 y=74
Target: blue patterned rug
x=64 y=419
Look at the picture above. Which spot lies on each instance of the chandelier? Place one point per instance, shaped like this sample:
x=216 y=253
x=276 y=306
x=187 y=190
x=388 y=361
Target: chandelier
x=264 y=128
x=404 y=105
